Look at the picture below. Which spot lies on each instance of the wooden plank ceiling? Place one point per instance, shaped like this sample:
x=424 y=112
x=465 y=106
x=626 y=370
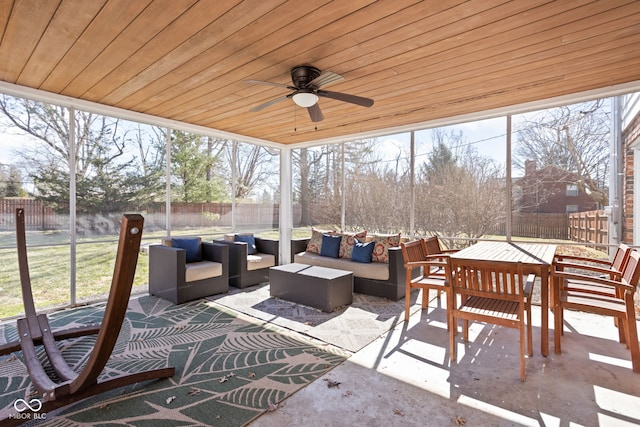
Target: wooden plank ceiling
x=189 y=60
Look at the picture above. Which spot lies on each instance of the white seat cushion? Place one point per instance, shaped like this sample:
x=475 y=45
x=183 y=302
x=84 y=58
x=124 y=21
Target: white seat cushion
x=202 y=270
x=259 y=261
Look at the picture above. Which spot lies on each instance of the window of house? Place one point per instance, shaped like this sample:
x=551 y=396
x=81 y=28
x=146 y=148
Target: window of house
x=572 y=208
x=572 y=191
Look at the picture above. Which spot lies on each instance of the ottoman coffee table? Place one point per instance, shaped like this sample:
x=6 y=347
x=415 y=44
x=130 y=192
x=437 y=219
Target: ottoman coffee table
x=319 y=287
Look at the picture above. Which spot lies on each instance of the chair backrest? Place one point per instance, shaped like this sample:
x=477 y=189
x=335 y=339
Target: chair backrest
x=488 y=279
x=413 y=251
x=432 y=245
x=620 y=257
x=631 y=270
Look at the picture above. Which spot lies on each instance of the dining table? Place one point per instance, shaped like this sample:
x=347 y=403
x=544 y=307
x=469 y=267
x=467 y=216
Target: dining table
x=536 y=258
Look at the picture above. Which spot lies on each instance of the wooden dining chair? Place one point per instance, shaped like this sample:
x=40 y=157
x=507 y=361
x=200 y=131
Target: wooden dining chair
x=492 y=292
x=617 y=302
x=592 y=267
x=415 y=256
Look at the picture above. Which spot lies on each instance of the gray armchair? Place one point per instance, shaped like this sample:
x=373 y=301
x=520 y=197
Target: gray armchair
x=248 y=269
x=180 y=275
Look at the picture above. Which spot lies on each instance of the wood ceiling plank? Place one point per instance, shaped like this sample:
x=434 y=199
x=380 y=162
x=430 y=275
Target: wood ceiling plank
x=435 y=74
x=151 y=21
x=467 y=92
x=392 y=54
x=224 y=57
x=112 y=19
x=27 y=22
x=136 y=72
x=194 y=108
x=5 y=11
x=419 y=60
x=67 y=24
x=236 y=71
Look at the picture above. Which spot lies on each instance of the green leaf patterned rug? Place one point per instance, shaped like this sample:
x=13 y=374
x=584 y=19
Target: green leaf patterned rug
x=230 y=368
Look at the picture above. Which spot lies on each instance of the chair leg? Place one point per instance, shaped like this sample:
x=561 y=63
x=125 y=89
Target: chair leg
x=425 y=298
x=465 y=326
x=407 y=303
x=632 y=341
x=452 y=337
x=523 y=375
x=529 y=332
x=622 y=331
x=557 y=328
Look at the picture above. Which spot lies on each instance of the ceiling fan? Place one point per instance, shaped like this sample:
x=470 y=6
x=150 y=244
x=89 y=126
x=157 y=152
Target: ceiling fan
x=307 y=86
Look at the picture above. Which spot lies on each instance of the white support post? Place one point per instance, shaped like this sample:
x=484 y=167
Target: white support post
x=72 y=206
x=508 y=187
x=286 y=205
x=167 y=172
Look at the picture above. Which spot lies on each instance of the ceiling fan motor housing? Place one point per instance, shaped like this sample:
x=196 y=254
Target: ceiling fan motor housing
x=302 y=75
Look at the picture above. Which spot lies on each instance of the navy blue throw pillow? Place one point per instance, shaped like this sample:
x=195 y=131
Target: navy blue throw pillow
x=250 y=240
x=362 y=251
x=191 y=246
x=330 y=245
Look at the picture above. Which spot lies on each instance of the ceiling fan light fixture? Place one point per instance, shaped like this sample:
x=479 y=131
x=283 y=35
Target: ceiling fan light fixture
x=305 y=99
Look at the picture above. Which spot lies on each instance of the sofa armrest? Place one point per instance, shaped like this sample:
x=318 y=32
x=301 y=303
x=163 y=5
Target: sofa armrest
x=397 y=272
x=299 y=245
x=237 y=253
x=269 y=246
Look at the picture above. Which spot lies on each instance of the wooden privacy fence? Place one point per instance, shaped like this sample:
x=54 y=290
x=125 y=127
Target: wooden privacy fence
x=590 y=227
x=40 y=217
x=536 y=225
x=37 y=215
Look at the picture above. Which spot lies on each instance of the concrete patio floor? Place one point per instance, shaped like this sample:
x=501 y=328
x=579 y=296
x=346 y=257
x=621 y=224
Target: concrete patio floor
x=404 y=378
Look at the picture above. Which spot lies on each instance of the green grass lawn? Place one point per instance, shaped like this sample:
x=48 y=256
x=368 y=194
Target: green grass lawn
x=49 y=268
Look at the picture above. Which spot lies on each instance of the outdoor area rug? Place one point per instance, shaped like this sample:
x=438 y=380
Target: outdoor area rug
x=229 y=368
x=350 y=327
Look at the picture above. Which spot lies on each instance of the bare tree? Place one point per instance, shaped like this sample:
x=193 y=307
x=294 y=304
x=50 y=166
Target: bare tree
x=255 y=168
x=103 y=161
x=459 y=193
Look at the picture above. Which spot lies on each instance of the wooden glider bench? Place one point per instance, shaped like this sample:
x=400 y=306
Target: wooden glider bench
x=34 y=330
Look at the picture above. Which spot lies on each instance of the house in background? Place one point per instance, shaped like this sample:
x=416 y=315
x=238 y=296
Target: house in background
x=550 y=190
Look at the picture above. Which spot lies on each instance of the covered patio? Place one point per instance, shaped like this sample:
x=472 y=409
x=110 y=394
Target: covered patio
x=186 y=65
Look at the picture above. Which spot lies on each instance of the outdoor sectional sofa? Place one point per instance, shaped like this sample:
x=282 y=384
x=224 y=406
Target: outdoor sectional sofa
x=382 y=279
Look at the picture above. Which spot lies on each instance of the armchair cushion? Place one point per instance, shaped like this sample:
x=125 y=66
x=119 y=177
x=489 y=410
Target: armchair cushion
x=250 y=240
x=191 y=246
x=202 y=270
x=259 y=260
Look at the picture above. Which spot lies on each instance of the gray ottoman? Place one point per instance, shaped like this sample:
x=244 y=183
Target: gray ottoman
x=319 y=287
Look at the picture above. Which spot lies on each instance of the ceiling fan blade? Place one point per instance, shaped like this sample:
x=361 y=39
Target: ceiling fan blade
x=269 y=103
x=260 y=82
x=325 y=79
x=344 y=97
x=315 y=113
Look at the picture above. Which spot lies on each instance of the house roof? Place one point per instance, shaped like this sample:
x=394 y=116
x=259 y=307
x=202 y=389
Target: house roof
x=421 y=61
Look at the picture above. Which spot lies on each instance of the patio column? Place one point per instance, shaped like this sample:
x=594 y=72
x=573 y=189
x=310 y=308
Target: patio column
x=286 y=205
